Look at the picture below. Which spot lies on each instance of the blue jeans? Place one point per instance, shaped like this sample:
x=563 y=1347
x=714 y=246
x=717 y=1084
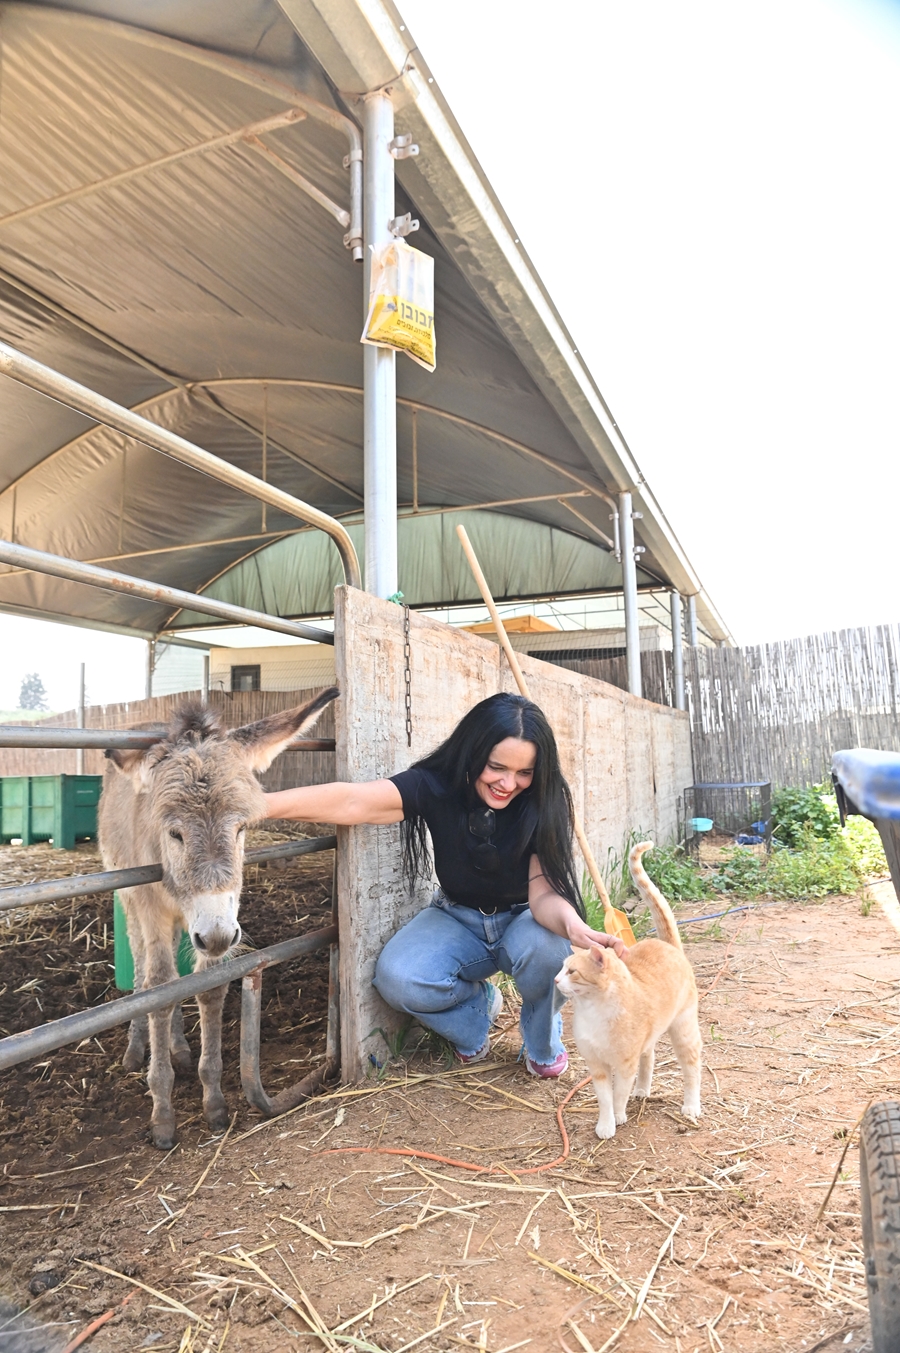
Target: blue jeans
x=436 y=966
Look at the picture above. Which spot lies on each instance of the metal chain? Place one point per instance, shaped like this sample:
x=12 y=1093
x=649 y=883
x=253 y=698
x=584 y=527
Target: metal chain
x=407 y=675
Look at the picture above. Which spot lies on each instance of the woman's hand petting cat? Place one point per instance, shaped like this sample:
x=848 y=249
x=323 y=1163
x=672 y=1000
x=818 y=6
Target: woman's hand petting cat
x=581 y=936
x=557 y=914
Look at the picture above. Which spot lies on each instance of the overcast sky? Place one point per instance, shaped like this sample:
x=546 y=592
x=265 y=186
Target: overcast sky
x=711 y=193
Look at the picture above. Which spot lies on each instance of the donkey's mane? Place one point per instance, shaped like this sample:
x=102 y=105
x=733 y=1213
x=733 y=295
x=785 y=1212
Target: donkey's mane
x=193 y=722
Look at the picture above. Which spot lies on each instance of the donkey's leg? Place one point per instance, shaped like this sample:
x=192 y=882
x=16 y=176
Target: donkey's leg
x=138 y=1029
x=182 y=1060
x=209 y=1067
x=181 y=1053
x=160 y=967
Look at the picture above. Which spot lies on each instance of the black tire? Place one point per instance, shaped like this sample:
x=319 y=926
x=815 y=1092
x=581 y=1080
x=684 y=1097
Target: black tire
x=879 y=1178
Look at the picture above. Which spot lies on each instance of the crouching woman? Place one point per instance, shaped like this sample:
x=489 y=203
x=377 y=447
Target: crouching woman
x=499 y=814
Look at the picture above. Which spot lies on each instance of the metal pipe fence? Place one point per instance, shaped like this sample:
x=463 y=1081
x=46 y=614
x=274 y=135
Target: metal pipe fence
x=109 y=580
x=86 y=885
x=87 y=1023
x=13 y=735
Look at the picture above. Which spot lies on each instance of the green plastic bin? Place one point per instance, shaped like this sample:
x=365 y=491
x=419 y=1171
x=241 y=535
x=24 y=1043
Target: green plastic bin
x=15 y=815
x=57 y=808
x=124 y=959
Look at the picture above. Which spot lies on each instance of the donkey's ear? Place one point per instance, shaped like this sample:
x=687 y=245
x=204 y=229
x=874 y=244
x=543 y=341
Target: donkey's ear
x=135 y=763
x=262 y=741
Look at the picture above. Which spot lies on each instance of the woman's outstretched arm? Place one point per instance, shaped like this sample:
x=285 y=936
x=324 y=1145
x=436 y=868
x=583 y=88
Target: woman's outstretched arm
x=376 y=802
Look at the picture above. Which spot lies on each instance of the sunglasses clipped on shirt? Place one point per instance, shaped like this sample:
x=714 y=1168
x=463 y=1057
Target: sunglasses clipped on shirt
x=485 y=856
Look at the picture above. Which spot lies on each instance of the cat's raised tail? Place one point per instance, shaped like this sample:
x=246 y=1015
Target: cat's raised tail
x=666 y=929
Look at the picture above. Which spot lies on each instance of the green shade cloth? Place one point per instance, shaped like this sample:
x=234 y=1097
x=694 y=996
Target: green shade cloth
x=297 y=576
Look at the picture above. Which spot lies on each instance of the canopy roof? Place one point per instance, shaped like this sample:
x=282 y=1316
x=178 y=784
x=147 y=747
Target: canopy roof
x=214 y=294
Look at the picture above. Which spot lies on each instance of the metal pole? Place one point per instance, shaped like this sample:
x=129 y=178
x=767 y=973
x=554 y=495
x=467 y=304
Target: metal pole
x=74 y=396
x=15 y=735
x=73 y=570
x=629 y=590
x=79 y=755
x=205 y=688
x=677 y=651
x=379 y=364
x=151 y=663
x=692 y=622
x=87 y=885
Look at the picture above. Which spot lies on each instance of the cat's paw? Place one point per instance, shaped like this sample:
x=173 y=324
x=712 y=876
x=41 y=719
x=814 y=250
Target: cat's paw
x=622 y=1119
x=641 y=1092
x=605 y=1129
x=692 y=1111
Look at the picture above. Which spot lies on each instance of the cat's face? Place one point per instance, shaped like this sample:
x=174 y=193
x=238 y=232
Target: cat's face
x=584 y=971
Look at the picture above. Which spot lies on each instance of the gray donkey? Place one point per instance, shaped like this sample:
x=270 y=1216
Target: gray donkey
x=186 y=802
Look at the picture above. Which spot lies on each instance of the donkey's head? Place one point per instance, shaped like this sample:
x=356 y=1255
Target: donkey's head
x=201 y=795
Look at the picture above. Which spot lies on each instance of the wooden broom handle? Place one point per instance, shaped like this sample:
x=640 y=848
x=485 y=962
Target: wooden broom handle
x=522 y=684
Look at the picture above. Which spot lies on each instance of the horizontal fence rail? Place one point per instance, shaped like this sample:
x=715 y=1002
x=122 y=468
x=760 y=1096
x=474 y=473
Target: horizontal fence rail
x=84 y=885
x=12 y=735
x=73 y=570
x=87 y=1023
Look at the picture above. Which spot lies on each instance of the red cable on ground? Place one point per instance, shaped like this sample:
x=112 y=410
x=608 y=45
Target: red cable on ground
x=466 y=1164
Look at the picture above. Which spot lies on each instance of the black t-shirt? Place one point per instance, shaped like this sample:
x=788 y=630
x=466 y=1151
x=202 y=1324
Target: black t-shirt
x=447 y=817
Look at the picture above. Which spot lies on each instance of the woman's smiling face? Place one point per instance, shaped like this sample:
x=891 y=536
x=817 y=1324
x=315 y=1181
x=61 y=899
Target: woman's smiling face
x=508 y=770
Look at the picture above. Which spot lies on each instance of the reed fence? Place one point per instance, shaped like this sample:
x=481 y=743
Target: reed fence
x=235 y=708
x=779 y=711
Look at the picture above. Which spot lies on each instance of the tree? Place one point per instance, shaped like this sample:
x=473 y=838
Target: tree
x=32 y=695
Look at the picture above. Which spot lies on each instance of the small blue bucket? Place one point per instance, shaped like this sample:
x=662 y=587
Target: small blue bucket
x=701 y=824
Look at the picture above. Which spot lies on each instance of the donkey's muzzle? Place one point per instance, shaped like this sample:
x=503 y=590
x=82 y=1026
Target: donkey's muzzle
x=211 y=921
x=216 y=940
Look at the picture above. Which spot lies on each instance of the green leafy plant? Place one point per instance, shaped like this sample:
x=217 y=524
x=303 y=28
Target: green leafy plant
x=741 y=871
x=675 y=875
x=395 y=1042
x=864 y=844
x=819 y=868
x=799 y=813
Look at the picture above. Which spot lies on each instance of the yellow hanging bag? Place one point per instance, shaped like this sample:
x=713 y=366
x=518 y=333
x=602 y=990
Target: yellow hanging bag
x=401 y=302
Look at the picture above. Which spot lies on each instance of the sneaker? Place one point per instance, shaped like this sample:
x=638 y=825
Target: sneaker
x=495 y=1008
x=467 y=1058
x=549 y=1070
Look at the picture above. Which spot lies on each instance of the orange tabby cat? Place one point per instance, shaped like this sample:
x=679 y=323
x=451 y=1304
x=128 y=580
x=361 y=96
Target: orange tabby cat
x=621 y=1007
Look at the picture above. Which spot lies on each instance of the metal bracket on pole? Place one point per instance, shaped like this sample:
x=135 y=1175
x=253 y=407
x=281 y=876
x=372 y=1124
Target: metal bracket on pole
x=402 y=147
x=617 y=551
x=401 y=226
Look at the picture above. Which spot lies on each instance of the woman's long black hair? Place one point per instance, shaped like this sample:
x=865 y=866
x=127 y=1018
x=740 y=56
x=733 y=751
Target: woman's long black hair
x=545 y=814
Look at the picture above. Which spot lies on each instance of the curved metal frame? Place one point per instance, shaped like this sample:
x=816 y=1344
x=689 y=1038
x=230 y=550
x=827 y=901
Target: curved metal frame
x=85 y=401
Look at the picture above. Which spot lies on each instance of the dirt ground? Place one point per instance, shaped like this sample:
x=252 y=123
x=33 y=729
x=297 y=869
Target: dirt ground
x=280 y=1236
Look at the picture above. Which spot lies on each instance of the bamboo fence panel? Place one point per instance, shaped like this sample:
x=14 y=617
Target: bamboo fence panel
x=235 y=708
x=780 y=711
